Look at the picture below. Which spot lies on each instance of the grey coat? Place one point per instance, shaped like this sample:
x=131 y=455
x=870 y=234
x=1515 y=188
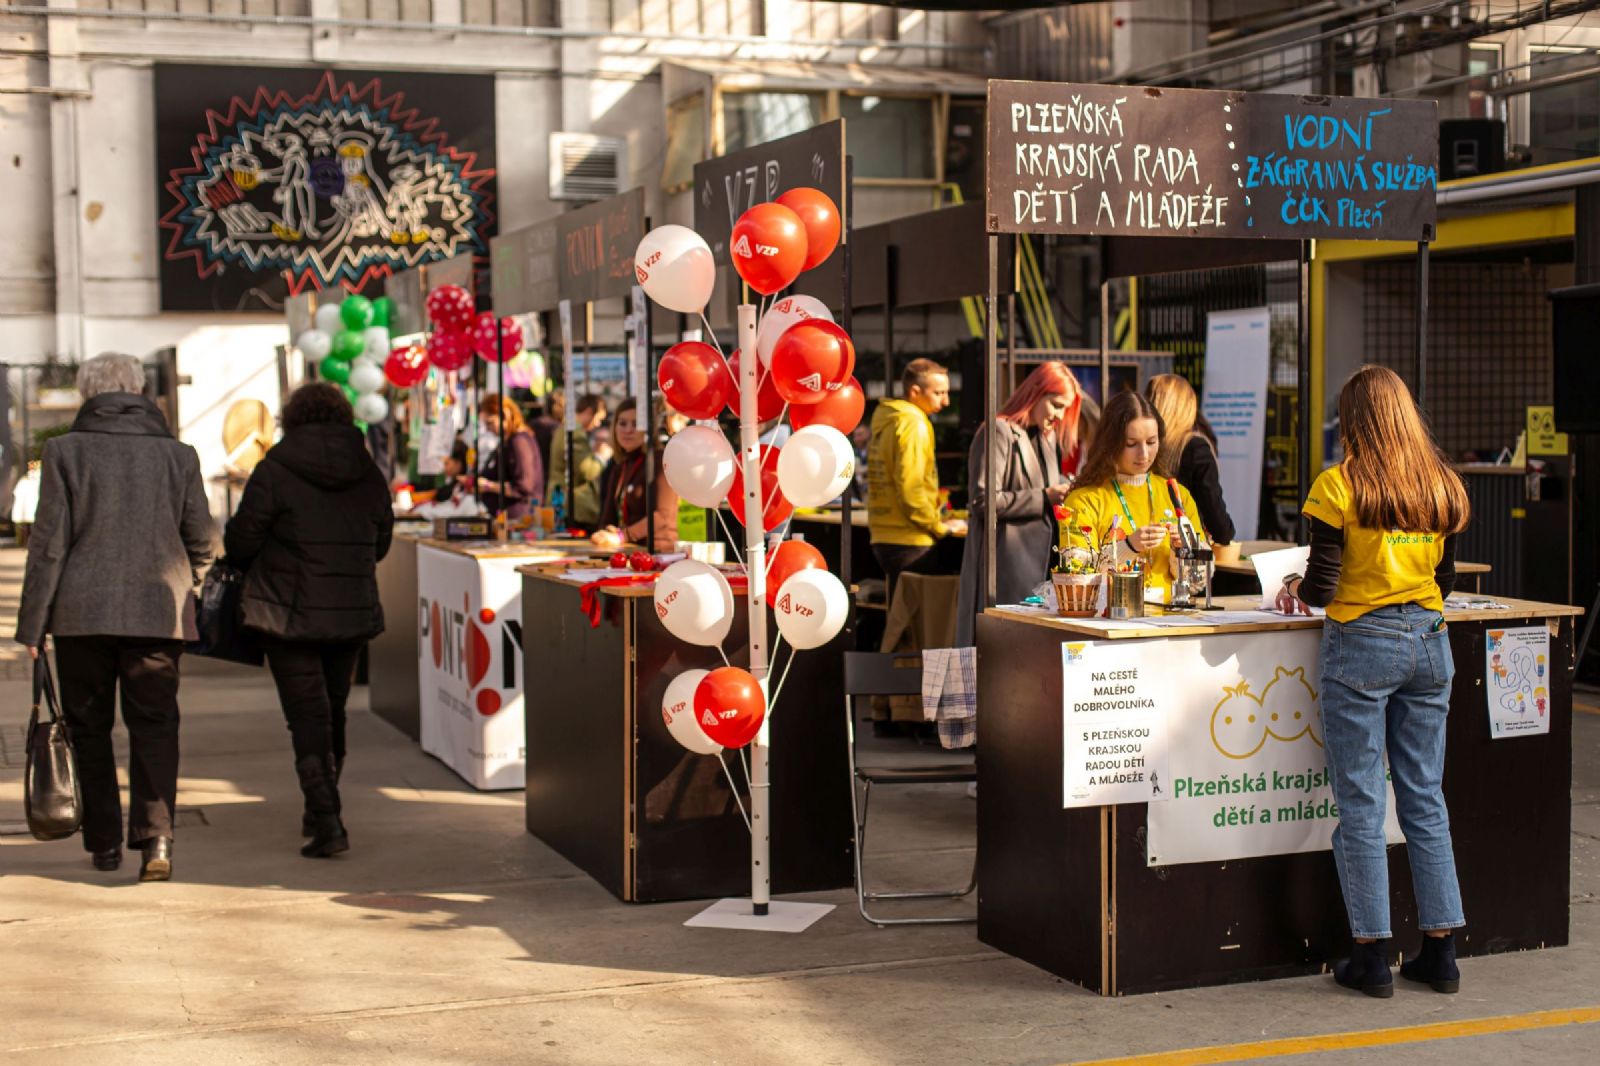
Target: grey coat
x=1024 y=467
x=123 y=531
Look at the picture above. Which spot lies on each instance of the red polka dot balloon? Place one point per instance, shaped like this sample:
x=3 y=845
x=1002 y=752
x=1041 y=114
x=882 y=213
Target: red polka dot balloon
x=450 y=307
x=449 y=350
x=406 y=366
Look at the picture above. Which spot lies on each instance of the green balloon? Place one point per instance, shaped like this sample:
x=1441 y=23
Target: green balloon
x=382 y=307
x=335 y=371
x=348 y=344
x=356 y=311
x=349 y=393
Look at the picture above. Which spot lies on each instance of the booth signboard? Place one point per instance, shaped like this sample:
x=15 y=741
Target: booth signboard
x=522 y=269
x=1106 y=160
x=594 y=250
x=408 y=292
x=728 y=186
x=1114 y=725
x=469 y=634
x=1234 y=400
x=1247 y=774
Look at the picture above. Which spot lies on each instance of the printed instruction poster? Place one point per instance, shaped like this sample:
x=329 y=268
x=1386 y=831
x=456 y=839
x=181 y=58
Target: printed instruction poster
x=1114 y=726
x=1517 y=666
x=1234 y=399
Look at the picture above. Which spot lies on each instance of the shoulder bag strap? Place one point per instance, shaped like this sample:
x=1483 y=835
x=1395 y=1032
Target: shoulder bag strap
x=44 y=687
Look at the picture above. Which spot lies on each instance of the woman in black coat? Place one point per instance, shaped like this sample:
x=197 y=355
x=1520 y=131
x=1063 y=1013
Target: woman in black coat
x=314 y=521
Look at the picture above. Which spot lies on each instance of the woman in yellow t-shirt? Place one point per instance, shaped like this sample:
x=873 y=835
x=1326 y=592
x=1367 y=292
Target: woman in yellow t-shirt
x=1382 y=562
x=1118 y=498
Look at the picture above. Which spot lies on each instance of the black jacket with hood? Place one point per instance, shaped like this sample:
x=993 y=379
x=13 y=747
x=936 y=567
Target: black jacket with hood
x=310 y=529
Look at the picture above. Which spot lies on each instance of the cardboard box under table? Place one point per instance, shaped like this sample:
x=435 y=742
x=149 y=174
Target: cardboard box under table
x=609 y=788
x=1154 y=810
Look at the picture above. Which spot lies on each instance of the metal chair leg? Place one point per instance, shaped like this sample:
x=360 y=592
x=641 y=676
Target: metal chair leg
x=859 y=809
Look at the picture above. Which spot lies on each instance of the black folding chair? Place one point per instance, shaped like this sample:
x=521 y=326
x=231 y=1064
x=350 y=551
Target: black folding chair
x=873 y=674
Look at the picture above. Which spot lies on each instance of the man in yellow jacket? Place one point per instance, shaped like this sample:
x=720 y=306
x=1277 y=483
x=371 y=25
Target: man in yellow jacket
x=902 y=479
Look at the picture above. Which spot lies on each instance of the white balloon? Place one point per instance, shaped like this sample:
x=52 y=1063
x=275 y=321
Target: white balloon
x=371 y=408
x=677 y=710
x=785 y=313
x=694 y=602
x=675 y=268
x=328 y=320
x=699 y=465
x=811 y=609
x=815 y=465
x=367 y=376
x=314 y=344
x=377 y=341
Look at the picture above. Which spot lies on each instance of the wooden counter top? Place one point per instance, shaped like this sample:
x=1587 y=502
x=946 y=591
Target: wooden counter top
x=1245 y=567
x=1516 y=611
x=551 y=573
x=515 y=549
x=858 y=519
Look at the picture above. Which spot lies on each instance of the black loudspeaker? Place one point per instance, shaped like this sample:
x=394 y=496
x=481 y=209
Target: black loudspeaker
x=1576 y=332
x=1471 y=146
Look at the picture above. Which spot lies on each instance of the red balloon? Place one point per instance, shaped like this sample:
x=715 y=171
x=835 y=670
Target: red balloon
x=841 y=407
x=406 y=366
x=729 y=706
x=769 y=404
x=768 y=246
x=820 y=216
x=775 y=506
x=484 y=337
x=788 y=559
x=695 y=379
x=450 y=307
x=810 y=357
x=449 y=350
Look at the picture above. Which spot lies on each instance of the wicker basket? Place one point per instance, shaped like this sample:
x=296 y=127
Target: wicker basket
x=1076 y=594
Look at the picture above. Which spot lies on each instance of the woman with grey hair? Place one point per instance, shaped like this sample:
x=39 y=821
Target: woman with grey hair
x=121 y=538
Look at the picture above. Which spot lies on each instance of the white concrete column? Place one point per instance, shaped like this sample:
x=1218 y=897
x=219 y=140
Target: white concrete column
x=67 y=78
x=326 y=40
x=579 y=58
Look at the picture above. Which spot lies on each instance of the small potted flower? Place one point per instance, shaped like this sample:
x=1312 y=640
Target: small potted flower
x=1076 y=572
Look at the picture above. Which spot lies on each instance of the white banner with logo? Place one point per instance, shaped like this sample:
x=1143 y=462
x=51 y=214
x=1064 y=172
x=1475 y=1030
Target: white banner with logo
x=1234 y=400
x=1244 y=735
x=470 y=670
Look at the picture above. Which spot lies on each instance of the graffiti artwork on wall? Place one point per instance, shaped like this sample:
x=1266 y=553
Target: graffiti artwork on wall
x=293 y=187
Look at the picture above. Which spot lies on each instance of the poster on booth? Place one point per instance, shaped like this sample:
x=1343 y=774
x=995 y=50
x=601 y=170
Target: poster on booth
x=470 y=669
x=1113 y=703
x=1517 y=665
x=1248 y=773
x=1238 y=354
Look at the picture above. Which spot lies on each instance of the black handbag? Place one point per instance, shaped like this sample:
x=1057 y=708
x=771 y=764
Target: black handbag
x=219 y=619
x=50 y=793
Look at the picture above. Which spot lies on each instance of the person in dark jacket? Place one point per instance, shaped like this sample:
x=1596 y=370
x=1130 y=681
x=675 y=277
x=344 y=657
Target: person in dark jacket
x=511 y=478
x=122 y=535
x=312 y=525
x=1189 y=453
x=624 y=509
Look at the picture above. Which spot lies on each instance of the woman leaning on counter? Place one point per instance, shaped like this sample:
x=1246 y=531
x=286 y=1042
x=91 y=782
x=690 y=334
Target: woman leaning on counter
x=1190 y=455
x=624 y=510
x=1118 y=497
x=1383 y=524
x=1032 y=433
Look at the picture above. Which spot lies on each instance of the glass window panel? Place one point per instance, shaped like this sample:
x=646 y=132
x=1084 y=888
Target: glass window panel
x=749 y=119
x=890 y=137
x=686 y=141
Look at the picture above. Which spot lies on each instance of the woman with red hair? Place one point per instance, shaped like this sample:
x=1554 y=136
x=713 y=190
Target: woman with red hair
x=1034 y=440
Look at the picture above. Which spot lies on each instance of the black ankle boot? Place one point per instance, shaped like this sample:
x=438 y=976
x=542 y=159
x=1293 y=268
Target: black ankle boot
x=1366 y=970
x=318 y=780
x=1435 y=965
x=308 y=822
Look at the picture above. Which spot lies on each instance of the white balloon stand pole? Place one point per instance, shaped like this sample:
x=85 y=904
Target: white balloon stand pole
x=759 y=912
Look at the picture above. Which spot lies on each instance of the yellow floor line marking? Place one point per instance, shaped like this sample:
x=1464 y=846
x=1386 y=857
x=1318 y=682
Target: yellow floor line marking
x=1409 y=1034
x=1586 y=708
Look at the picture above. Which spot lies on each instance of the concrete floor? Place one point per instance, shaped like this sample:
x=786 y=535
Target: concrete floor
x=449 y=936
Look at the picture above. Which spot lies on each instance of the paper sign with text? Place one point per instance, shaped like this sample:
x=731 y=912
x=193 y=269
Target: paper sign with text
x=1516 y=668
x=1114 y=738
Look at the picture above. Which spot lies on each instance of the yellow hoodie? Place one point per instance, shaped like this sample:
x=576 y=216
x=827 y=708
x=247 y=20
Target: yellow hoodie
x=902 y=478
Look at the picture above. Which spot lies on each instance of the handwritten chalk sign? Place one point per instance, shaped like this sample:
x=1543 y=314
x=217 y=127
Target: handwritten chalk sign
x=728 y=186
x=1123 y=160
x=522 y=269
x=594 y=260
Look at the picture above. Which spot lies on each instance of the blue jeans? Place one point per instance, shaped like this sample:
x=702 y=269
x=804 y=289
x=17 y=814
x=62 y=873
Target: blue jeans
x=1386 y=683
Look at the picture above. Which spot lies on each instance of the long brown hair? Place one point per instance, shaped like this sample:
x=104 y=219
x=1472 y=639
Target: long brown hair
x=1100 y=465
x=511 y=420
x=1174 y=397
x=1399 y=479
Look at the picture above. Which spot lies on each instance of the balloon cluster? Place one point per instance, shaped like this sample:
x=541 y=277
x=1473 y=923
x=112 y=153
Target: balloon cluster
x=806 y=362
x=350 y=342
x=459 y=331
